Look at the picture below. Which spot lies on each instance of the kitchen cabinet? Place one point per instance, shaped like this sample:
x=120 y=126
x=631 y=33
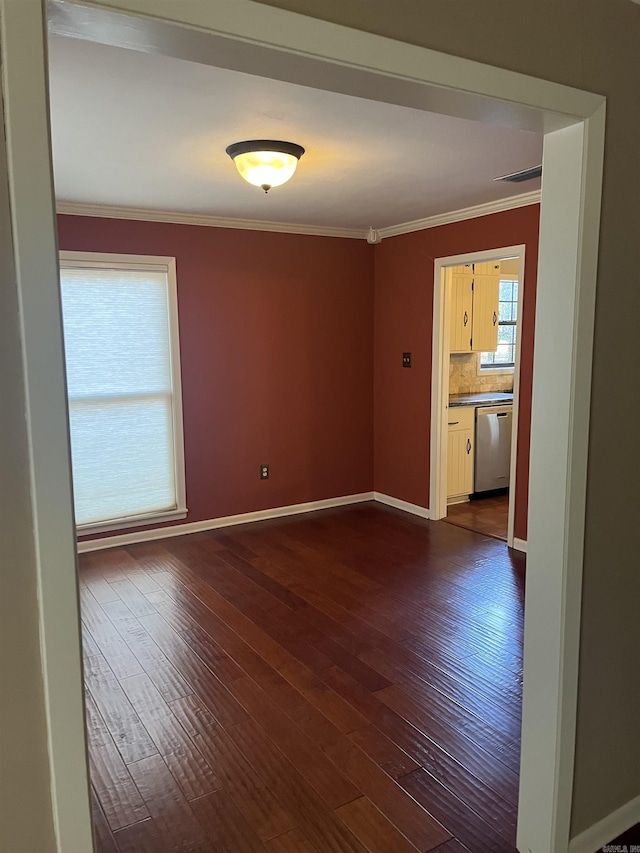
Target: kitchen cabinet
x=460 y=452
x=473 y=296
x=460 y=298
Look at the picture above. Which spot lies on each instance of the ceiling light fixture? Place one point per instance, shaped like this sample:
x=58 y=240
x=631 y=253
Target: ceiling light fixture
x=265 y=163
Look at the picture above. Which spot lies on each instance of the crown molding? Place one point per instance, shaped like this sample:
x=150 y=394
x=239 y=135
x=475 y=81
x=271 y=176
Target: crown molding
x=175 y=217
x=73 y=208
x=511 y=203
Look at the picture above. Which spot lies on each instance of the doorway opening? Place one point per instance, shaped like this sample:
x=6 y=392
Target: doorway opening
x=574 y=134
x=478 y=323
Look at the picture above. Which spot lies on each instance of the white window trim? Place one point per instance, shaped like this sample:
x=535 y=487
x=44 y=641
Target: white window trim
x=100 y=260
x=488 y=370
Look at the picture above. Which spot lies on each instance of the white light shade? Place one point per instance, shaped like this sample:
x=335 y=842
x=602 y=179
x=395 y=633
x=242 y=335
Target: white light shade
x=264 y=162
x=266 y=168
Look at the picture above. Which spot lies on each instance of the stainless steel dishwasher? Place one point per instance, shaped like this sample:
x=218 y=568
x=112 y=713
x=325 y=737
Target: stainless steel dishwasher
x=493 y=447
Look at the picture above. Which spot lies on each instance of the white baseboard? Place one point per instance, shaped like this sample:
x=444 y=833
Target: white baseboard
x=214 y=523
x=414 y=509
x=607 y=829
x=122 y=539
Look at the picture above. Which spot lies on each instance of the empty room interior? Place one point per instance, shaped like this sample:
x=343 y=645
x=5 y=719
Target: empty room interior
x=348 y=677
x=283 y=649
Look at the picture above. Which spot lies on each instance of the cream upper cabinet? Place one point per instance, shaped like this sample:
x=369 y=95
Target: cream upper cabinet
x=486 y=293
x=460 y=452
x=460 y=296
x=473 y=294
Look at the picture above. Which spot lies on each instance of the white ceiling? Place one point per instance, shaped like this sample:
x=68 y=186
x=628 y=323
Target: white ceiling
x=146 y=131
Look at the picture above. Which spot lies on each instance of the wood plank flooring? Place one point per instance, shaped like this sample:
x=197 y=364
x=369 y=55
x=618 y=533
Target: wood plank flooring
x=489 y=516
x=348 y=680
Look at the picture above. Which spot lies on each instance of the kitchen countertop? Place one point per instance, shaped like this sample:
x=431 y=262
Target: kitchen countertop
x=487 y=399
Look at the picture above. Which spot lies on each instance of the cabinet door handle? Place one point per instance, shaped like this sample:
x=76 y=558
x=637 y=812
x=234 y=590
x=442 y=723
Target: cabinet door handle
x=495 y=318
x=466 y=318
x=468 y=446
x=453 y=423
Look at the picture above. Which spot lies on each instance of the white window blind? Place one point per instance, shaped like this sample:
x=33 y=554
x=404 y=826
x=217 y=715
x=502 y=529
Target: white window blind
x=124 y=407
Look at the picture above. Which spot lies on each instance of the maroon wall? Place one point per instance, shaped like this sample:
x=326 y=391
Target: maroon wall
x=276 y=339
x=404 y=267
x=277 y=334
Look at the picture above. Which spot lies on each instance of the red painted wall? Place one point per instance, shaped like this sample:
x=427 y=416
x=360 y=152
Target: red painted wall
x=276 y=339
x=403 y=322
x=291 y=355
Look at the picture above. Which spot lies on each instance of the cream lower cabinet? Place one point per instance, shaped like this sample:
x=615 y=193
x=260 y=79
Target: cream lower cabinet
x=460 y=449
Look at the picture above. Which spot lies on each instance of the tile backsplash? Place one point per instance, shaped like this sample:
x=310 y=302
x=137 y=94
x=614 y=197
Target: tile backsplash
x=464 y=379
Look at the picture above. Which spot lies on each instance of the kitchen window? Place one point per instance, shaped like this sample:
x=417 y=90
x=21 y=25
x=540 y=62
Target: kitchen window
x=123 y=383
x=504 y=357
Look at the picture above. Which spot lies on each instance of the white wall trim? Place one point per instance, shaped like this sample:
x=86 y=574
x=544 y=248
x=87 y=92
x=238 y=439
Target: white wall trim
x=27 y=132
x=519 y=545
x=473 y=212
x=515 y=423
x=104 y=211
x=605 y=830
x=215 y=523
x=155 y=533
x=175 y=217
x=134 y=521
x=414 y=509
x=565 y=304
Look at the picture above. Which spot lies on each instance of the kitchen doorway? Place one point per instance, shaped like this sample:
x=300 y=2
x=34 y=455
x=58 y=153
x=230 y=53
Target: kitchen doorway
x=478 y=317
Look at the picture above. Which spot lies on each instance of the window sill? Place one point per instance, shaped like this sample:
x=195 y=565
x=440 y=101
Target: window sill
x=493 y=371
x=131 y=521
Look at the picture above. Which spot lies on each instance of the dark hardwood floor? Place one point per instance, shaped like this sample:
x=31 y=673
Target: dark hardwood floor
x=489 y=516
x=348 y=680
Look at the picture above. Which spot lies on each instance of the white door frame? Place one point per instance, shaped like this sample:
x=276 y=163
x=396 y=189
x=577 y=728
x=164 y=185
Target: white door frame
x=269 y=41
x=440 y=380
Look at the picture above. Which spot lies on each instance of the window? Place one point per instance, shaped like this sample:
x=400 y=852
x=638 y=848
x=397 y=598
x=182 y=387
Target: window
x=505 y=355
x=123 y=379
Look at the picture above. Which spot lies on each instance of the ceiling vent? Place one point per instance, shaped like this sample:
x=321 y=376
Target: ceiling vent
x=519 y=177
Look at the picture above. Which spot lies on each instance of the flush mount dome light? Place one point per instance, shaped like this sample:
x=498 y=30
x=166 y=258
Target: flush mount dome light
x=265 y=163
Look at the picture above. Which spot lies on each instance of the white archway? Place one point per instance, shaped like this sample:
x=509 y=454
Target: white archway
x=263 y=40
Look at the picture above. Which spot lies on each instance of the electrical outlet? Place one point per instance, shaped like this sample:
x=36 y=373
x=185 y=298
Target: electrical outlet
x=406 y=359
x=264 y=472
